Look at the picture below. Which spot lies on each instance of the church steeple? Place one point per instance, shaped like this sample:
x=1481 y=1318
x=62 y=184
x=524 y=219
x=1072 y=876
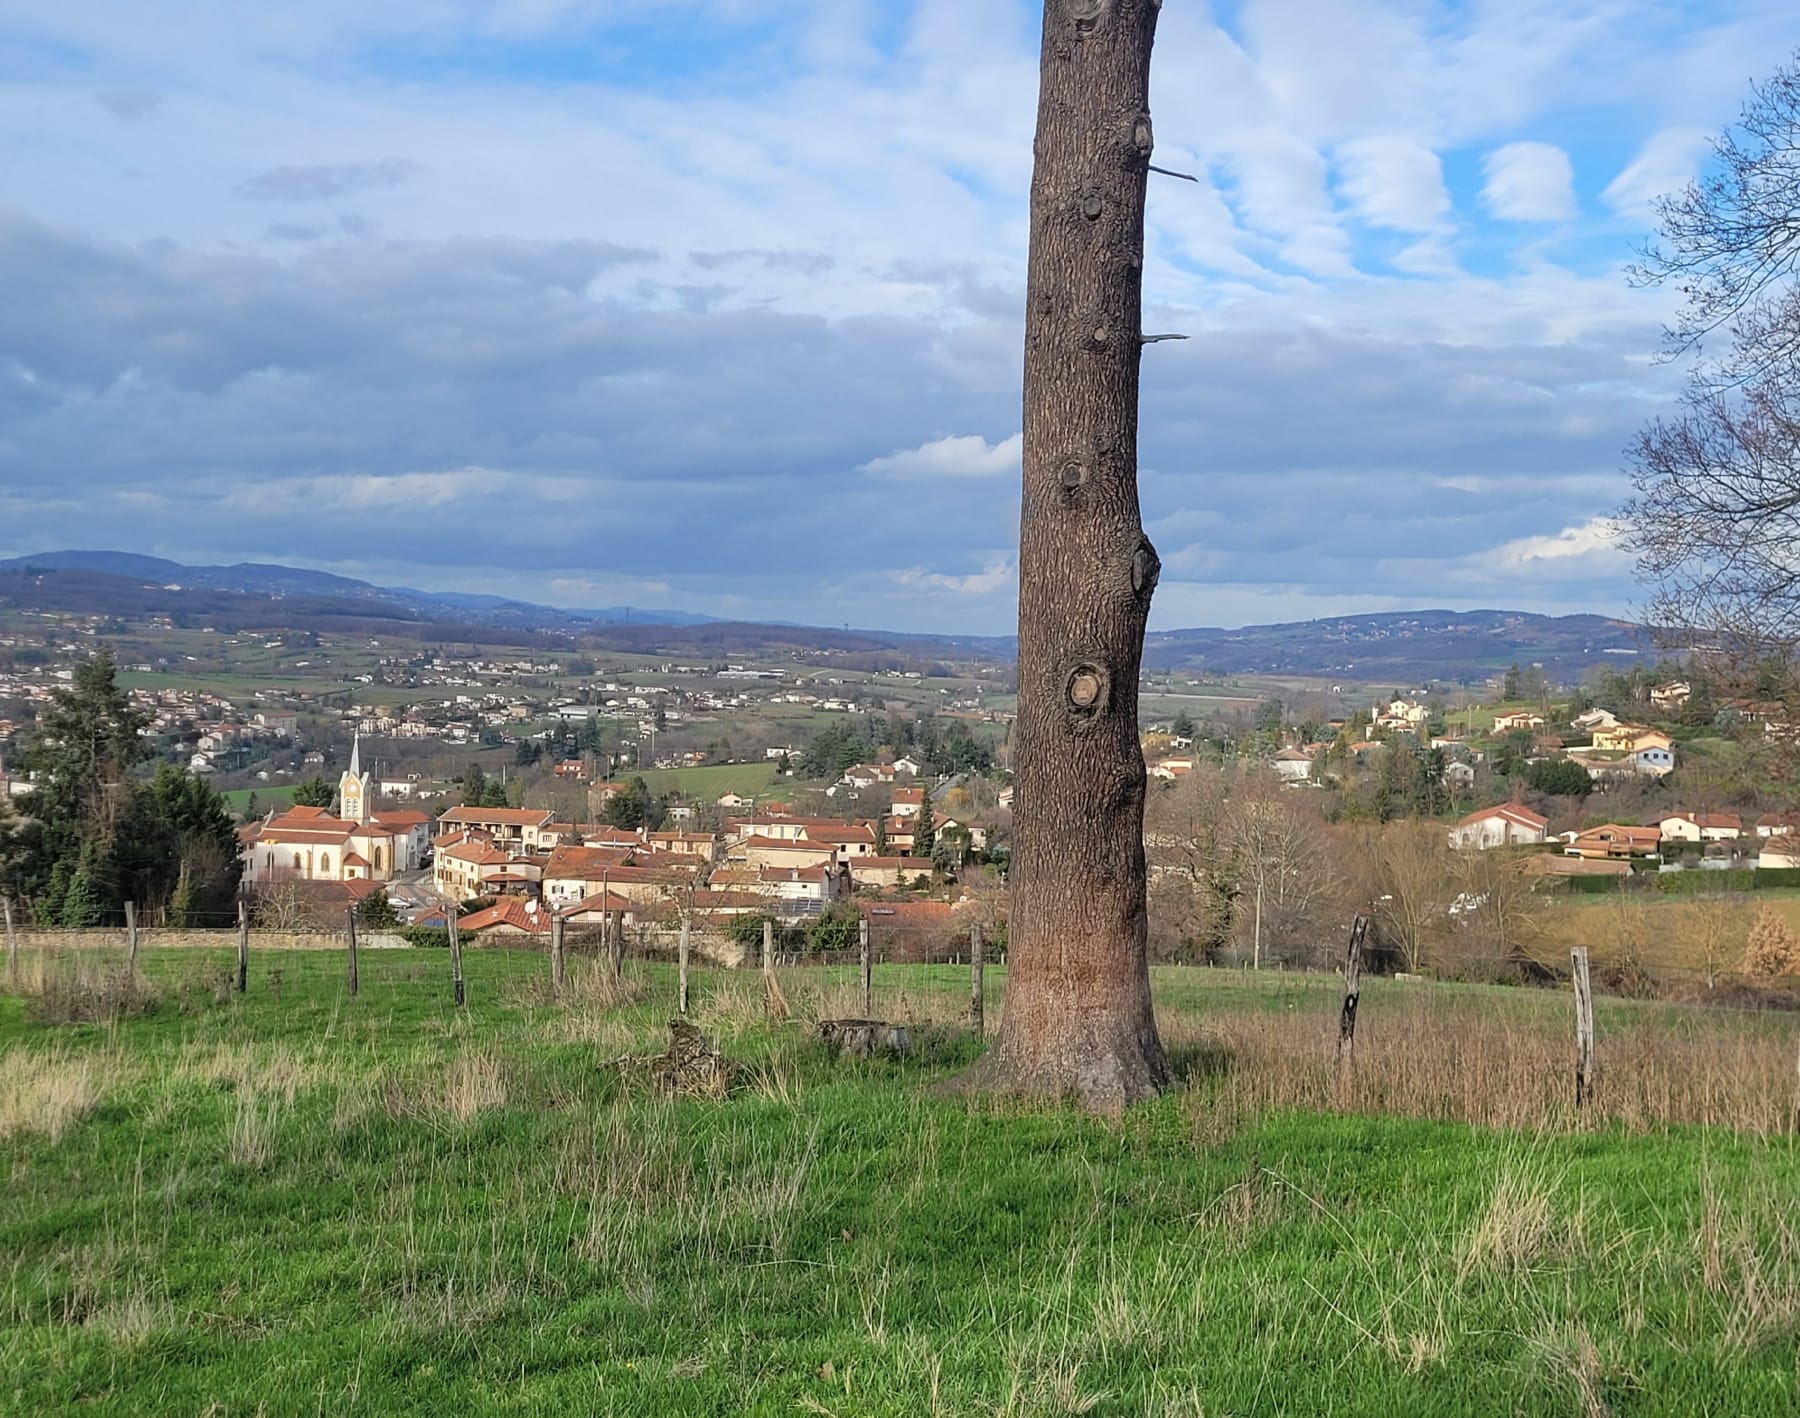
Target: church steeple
x=353 y=787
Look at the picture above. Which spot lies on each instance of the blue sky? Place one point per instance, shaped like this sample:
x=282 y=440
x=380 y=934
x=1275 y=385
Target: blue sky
x=717 y=305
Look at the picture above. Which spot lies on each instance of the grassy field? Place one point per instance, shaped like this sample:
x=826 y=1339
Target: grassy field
x=235 y=687
x=707 y=784
x=378 y=1205
x=267 y=796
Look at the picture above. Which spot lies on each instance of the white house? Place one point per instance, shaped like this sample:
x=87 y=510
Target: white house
x=1293 y=766
x=1508 y=825
x=1701 y=827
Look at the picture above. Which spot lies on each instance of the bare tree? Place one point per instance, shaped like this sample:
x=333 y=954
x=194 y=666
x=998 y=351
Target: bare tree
x=1190 y=863
x=1500 y=918
x=1414 y=882
x=1717 y=506
x=1283 y=867
x=1078 y=1016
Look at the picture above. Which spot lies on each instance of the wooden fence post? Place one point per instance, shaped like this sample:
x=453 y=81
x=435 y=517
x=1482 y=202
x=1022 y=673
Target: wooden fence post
x=350 y=923
x=616 y=950
x=456 y=973
x=768 y=956
x=1584 y=1026
x=682 y=971
x=243 y=979
x=556 y=953
x=131 y=937
x=977 y=992
x=868 y=968
x=1359 y=930
x=12 y=943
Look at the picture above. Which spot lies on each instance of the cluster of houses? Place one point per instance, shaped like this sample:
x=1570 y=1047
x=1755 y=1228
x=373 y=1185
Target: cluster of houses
x=1722 y=839
x=533 y=867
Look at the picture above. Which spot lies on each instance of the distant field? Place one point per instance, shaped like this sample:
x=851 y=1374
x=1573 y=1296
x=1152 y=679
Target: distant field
x=706 y=784
x=232 y=686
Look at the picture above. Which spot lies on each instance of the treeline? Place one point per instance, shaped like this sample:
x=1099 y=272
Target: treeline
x=98 y=834
x=944 y=746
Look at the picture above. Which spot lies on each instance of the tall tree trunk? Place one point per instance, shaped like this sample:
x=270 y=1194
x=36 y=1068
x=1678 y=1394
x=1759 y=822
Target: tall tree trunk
x=1078 y=1018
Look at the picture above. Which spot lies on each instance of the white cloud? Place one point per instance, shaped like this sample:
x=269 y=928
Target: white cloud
x=1529 y=182
x=1663 y=165
x=996 y=575
x=1394 y=182
x=1596 y=537
x=957 y=456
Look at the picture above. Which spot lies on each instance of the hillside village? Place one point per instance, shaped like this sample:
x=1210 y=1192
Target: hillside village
x=505 y=788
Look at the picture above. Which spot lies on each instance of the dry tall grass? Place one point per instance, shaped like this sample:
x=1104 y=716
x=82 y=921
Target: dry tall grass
x=47 y=1093
x=1430 y=1054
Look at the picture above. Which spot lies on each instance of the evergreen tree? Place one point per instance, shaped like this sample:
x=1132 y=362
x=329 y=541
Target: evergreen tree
x=474 y=787
x=1183 y=727
x=924 y=827
x=313 y=792
x=377 y=912
x=84 y=904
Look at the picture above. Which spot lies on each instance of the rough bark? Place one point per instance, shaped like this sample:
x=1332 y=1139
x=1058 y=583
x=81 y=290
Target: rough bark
x=1078 y=1020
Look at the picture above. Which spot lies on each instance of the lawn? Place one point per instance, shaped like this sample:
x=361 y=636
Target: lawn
x=267 y=796
x=377 y=1205
x=708 y=784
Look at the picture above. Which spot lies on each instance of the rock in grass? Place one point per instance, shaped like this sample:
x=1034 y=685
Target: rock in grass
x=858 y=1038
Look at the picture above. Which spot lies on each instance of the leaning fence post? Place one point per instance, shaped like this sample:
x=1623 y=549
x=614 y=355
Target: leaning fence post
x=868 y=968
x=12 y=943
x=682 y=971
x=243 y=979
x=131 y=937
x=556 y=953
x=1359 y=930
x=1584 y=1026
x=456 y=974
x=977 y=993
x=350 y=923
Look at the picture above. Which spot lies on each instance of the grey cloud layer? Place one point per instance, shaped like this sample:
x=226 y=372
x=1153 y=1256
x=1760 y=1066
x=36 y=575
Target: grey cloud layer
x=477 y=404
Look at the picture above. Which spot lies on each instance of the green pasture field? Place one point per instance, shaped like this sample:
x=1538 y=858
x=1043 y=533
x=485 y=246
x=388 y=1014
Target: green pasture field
x=317 y=1204
x=707 y=784
x=233 y=686
x=267 y=796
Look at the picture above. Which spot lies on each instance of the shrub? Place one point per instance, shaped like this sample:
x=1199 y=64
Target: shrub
x=82 y=993
x=427 y=937
x=1772 y=949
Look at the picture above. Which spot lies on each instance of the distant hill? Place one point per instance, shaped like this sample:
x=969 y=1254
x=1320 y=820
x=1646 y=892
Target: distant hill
x=1400 y=648
x=259 y=579
x=1405 y=646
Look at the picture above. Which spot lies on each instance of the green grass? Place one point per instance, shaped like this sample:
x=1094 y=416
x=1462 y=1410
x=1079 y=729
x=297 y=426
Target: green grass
x=381 y=1205
x=267 y=795
x=708 y=784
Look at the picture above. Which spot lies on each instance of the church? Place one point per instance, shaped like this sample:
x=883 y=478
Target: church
x=355 y=844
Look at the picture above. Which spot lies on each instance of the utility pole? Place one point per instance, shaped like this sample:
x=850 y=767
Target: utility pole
x=1256 y=940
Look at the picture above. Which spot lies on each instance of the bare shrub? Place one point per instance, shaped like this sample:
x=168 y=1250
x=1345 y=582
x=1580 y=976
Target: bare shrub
x=79 y=990
x=1771 y=949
